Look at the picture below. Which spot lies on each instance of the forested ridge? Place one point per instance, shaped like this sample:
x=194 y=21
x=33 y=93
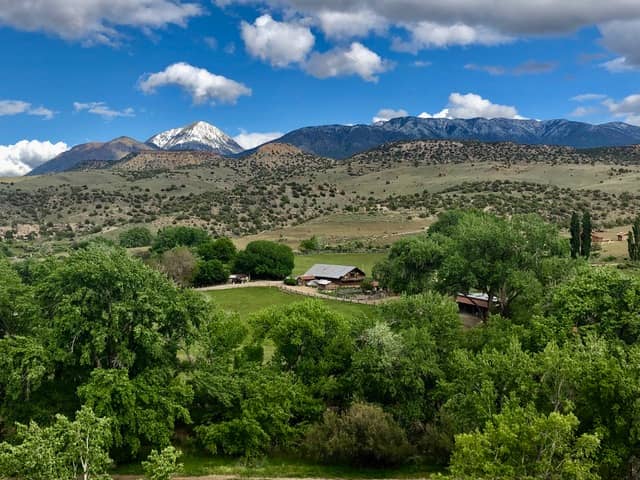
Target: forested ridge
x=105 y=361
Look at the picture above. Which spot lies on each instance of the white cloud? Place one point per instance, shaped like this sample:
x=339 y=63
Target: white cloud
x=621 y=36
x=344 y=25
x=202 y=85
x=628 y=108
x=618 y=65
x=279 y=43
x=353 y=60
x=249 y=140
x=588 y=97
x=583 y=111
x=441 y=23
x=473 y=106
x=103 y=110
x=16 y=107
x=95 y=21
x=433 y=35
x=22 y=157
x=387 y=114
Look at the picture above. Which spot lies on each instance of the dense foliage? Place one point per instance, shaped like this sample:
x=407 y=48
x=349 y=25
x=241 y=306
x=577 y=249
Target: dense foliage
x=136 y=237
x=265 y=260
x=545 y=387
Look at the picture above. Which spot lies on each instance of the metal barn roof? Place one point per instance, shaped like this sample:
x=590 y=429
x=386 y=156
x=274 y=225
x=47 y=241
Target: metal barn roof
x=329 y=271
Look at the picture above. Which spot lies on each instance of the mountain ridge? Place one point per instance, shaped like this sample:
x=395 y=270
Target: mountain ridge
x=343 y=141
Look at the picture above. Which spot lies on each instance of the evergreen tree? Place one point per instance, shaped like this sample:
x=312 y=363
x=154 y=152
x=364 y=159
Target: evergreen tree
x=585 y=247
x=633 y=241
x=575 y=235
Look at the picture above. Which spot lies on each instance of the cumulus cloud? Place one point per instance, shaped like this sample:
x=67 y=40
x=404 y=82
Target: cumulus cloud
x=279 y=43
x=583 y=111
x=249 y=140
x=353 y=60
x=343 y=25
x=94 y=21
x=387 y=114
x=441 y=23
x=471 y=105
x=202 y=85
x=24 y=156
x=17 y=107
x=102 y=109
x=628 y=108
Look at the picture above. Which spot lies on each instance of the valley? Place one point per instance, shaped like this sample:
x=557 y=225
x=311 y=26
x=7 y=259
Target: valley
x=281 y=193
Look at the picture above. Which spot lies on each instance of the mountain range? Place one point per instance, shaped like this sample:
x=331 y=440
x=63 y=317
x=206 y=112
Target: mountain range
x=343 y=141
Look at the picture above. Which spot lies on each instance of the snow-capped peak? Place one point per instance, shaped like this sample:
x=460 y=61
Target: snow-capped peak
x=197 y=136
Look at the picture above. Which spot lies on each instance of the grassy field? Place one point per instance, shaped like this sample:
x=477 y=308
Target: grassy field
x=200 y=464
x=246 y=301
x=364 y=261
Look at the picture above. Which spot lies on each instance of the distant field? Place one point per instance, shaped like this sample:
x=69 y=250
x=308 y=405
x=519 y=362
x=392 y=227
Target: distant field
x=364 y=261
x=246 y=301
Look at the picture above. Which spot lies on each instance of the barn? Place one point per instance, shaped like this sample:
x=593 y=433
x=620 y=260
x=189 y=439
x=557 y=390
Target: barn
x=342 y=275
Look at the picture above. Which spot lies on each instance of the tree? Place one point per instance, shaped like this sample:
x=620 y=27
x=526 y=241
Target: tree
x=172 y=237
x=64 y=450
x=265 y=260
x=522 y=443
x=136 y=237
x=221 y=249
x=311 y=340
x=110 y=335
x=411 y=265
x=585 y=244
x=179 y=264
x=18 y=310
x=162 y=465
x=599 y=300
x=633 y=241
x=210 y=272
x=576 y=239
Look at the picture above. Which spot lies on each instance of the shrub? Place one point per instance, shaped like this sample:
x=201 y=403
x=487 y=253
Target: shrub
x=210 y=272
x=162 y=465
x=136 y=237
x=310 y=245
x=364 y=435
x=265 y=260
x=291 y=281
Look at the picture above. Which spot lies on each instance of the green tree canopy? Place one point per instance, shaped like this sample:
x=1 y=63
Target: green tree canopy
x=265 y=260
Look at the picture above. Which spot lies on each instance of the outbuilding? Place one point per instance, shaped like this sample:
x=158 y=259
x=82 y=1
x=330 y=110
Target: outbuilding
x=341 y=275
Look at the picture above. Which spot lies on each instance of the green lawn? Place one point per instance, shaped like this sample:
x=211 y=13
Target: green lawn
x=364 y=261
x=252 y=299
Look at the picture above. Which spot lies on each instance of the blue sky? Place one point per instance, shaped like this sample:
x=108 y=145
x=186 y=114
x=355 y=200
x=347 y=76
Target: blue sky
x=91 y=70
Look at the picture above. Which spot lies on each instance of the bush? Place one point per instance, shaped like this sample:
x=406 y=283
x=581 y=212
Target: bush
x=179 y=264
x=136 y=237
x=265 y=260
x=364 y=435
x=221 y=249
x=291 y=281
x=162 y=465
x=172 y=237
x=210 y=272
x=310 y=245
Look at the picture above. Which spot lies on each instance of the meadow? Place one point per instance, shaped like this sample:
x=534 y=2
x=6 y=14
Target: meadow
x=246 y=301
